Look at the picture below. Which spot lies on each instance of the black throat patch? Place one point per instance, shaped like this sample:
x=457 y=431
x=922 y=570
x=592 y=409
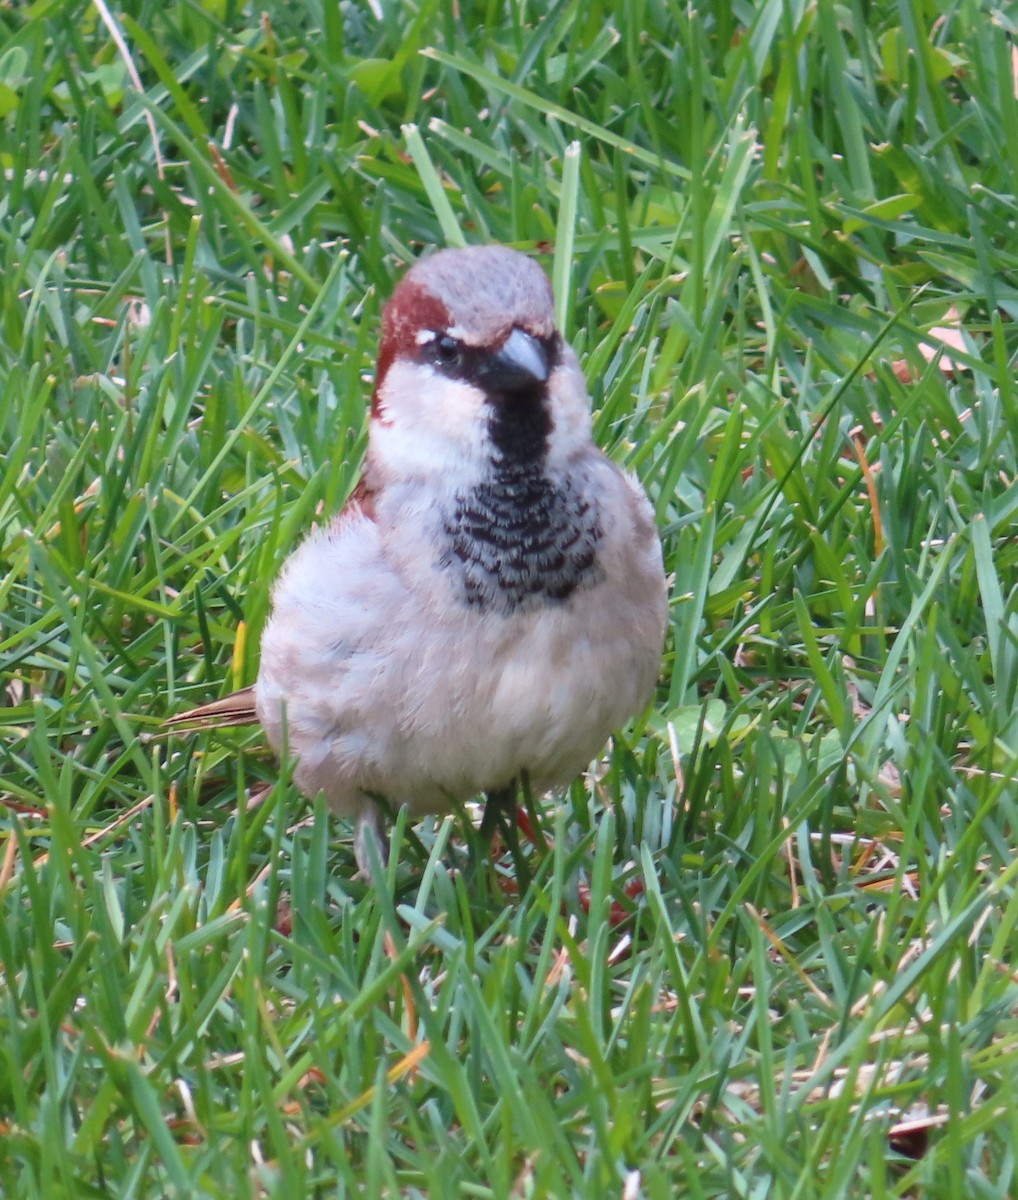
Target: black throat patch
x=521 y=539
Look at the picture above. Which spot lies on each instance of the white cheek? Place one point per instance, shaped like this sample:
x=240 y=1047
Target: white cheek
x=570 y=409
x=428 y=423
x=437 y=427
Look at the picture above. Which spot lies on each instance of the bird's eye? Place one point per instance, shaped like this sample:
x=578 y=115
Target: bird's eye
x=447 y=348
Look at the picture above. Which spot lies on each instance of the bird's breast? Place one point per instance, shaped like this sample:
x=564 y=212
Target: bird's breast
x=519 y=539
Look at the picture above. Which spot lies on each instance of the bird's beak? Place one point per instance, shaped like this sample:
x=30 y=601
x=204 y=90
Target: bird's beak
x=518 y=366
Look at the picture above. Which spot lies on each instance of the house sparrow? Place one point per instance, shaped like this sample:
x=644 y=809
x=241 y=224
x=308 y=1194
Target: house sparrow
x=490 y=603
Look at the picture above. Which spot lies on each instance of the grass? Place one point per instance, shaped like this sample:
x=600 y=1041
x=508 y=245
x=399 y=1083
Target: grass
x=780 y=918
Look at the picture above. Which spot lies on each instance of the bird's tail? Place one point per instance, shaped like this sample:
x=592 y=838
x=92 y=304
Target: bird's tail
x=238 y=708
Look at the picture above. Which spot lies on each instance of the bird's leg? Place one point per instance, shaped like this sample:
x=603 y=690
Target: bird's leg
x=370 y=845
x=527 y=818
x=511 y=832
x=500 y=814
x=498 y=802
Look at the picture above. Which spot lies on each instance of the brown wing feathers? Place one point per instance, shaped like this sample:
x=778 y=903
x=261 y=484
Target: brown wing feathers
x=238 y=708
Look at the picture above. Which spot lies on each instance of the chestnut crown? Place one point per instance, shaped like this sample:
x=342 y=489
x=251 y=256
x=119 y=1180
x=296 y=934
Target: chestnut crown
x=479 y=298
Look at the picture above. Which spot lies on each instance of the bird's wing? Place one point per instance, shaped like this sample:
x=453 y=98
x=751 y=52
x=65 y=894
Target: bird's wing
x=305 y=576
x=238 y=708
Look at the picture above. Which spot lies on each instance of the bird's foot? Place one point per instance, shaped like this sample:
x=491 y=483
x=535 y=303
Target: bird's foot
x=502 y=816
x=370 y=845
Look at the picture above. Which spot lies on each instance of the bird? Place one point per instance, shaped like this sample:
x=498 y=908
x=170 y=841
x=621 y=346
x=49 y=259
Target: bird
x=490 y=603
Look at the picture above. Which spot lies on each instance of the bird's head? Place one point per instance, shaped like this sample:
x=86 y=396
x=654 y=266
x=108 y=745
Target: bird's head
x=471 y=369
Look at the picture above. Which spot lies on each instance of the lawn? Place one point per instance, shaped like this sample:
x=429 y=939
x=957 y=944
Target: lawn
x=770 y=946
